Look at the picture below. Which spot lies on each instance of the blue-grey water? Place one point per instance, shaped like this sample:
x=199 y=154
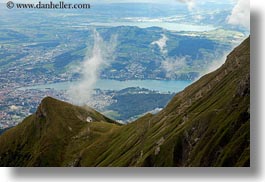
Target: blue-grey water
x=105 y=84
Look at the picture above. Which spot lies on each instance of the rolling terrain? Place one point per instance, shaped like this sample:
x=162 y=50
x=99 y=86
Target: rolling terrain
x=207 y=124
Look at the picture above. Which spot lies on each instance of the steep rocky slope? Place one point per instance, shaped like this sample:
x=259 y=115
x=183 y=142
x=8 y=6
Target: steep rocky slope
x=207 y=124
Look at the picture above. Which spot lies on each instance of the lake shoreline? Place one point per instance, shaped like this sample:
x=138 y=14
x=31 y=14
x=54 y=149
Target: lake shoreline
x=172 y=86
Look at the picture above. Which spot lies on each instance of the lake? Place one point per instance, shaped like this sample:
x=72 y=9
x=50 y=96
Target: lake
x=166 y=25
x=105 y=84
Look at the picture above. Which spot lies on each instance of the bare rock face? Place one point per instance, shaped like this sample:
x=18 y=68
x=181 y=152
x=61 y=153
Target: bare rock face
x=244 y=87
x=41 y=111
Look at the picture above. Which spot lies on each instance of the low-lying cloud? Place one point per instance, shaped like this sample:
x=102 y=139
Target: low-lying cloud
x=102 y=53
x=215 y=63
x=172 y=66
x=161 y=43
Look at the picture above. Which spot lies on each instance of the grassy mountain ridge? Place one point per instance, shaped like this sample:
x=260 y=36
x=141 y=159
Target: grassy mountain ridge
x=207 y=124
x=3 y=130
x=41 y=139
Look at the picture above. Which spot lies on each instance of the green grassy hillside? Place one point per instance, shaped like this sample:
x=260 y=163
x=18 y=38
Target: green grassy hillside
x=207 y=124
x=42 y=138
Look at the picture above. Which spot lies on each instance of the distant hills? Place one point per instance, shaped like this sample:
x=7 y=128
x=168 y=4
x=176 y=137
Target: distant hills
x=150 y=53
x=207 y=124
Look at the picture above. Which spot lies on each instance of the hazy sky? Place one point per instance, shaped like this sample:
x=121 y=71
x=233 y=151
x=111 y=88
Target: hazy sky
x=125 y=1
x=240 y=14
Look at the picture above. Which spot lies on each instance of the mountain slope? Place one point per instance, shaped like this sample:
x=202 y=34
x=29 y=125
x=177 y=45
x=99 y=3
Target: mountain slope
x=3 y=130
x=207 y=124
x=41 y=139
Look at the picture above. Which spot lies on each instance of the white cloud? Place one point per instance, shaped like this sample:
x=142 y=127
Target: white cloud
x=172 y=66
x=162 y=43
x=198 y=17
x=189 y=3
x=215 y=63
x=90 y=69
x=240 y=14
